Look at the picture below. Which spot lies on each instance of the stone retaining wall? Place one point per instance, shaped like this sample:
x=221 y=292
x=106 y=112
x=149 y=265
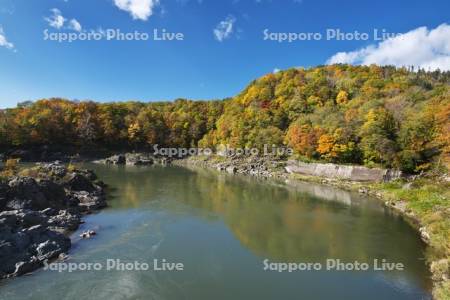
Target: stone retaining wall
x=353 y=173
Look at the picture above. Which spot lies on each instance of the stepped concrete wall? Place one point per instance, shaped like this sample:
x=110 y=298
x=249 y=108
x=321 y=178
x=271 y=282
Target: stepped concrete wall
x=353 y=173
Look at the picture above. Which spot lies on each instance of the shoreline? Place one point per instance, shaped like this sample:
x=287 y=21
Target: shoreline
x=437 y=261
x=391 y=194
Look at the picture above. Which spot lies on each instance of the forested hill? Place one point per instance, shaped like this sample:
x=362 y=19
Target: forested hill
x=346 y=114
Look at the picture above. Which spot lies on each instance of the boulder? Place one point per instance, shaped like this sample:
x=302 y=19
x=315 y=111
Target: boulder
x=231 y=169
x=24 y=267
x=31 y=218
x=49 y=211
x=48 y=250
x=89 y=174
x=4 y=188
x=53 y=192
x=64 y=221
x=6 y=249
x=22 y=250
x=363 y=190
x=78 y=182
x=9 y=218
x=89 y=201
x=119 y=159
x=54 y=169
x=35 y=232
x=25 y=193
x=88 y=234
x=21 y=241
x=138 y=159
x=143 y=162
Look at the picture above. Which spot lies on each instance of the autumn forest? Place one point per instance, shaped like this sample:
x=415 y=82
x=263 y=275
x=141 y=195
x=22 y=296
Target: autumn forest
x=369 y=115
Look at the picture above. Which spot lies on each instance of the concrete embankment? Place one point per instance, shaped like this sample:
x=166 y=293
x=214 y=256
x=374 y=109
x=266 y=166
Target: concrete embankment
x=352 y=173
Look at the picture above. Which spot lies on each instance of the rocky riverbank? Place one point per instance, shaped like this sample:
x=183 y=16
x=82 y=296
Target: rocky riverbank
x=265 y=167
x=39 y=207
x=134 y=159
x=424 y=202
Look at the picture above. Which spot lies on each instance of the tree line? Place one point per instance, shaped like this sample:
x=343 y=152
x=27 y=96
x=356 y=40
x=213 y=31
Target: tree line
x=370 y=115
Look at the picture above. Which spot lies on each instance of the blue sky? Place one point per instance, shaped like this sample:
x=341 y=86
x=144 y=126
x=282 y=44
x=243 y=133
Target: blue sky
x=204 y=65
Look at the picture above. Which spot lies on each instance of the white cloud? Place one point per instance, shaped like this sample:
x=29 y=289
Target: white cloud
x=56 y=20
x=139 y=9
x=428 y=49
x=74 y=25
x=4 y=42
x=224 y=29
x=276 y=70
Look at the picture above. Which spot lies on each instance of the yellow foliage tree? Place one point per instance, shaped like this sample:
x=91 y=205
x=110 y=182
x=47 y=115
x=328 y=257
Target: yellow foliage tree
x=342 y=97
x=326 y=146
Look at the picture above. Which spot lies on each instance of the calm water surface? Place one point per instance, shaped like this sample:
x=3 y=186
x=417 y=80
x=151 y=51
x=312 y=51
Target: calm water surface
x=222 y=228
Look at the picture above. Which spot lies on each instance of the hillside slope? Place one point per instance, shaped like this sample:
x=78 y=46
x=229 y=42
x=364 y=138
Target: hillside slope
x=345 y=114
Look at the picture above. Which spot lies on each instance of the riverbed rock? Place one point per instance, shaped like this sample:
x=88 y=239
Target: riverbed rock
x=135 y=159
x=37 y=213
x=265 y=167
x=53 y=168
x=220 y=167
x=3 y=195
x=78 y=182
x=138 y=159
x=363 y=190
x=424 y=234
x=23 y=248
x=24 y=267
x=88 y=234
x=231 y=169
x=116 y=160
x=54 y=193
x=64 y=221
x=88 y=201
x=51 y=249
x=25 y=193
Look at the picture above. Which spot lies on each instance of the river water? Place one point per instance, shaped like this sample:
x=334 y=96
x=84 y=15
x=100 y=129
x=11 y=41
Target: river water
x=222 y=229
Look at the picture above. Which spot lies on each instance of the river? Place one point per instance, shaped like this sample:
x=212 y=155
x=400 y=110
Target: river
x=222 y=228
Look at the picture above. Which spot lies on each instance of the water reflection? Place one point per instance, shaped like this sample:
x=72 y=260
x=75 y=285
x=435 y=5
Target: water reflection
x=301 y=222
x=222 y=227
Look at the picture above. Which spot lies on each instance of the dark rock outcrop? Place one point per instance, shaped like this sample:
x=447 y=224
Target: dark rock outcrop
x=79 y=182
x=27 y=240
x=132 y=159
x=25 y=193
x=4 y=188
x=37 y=213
